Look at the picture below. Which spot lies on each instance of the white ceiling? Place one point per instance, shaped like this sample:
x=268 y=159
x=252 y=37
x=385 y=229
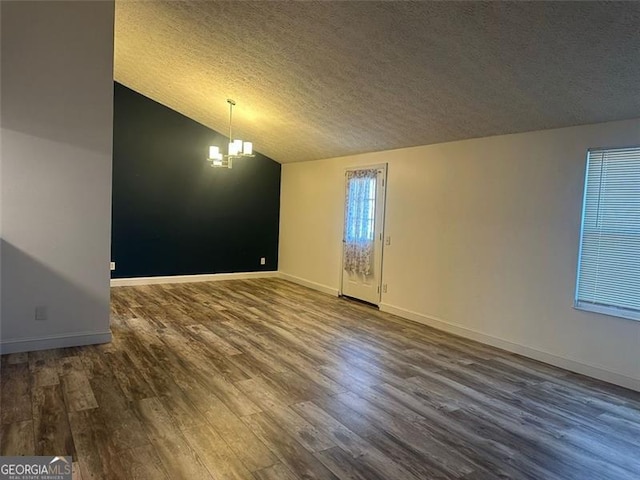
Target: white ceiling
x=322 y=79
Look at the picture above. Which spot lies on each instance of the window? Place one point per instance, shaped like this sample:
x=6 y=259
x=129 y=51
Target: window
x=609 y=261
x=359 y=221
x=361 y=207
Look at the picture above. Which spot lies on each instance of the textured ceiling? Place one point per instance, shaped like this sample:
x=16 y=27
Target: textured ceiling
x=323 y=79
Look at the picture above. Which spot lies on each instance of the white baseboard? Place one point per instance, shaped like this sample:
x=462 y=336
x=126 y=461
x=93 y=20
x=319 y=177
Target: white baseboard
x=54 y=341
x=542 y=356
x=209 y=277
x=307 y=283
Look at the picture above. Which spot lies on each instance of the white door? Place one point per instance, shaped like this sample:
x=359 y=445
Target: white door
x=362 y=238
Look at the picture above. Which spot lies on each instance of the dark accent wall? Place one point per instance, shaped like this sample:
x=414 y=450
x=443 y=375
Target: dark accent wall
x=173 y=214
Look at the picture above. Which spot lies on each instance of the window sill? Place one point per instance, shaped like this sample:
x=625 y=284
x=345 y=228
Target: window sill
x=605 y=310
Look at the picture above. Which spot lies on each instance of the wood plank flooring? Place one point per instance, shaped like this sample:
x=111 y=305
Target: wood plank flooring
x=266 y=380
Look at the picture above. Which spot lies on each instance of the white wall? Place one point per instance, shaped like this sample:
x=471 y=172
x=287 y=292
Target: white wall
x=484 y=242
x=56 y=119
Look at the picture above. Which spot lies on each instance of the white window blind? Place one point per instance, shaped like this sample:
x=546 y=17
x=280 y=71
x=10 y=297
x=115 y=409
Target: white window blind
x=609 y=262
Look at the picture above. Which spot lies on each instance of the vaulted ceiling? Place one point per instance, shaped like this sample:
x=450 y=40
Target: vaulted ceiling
x=322 y=79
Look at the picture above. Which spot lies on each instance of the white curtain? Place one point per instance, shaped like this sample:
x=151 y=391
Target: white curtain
x=359 y=223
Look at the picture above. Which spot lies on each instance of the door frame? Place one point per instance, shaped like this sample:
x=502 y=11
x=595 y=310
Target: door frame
x=385 y=173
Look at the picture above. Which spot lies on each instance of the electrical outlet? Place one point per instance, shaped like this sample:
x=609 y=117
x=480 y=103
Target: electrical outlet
x=263 y=261
x=387 y=240
x=112 y=266
x=384 y=288
x=41 y=313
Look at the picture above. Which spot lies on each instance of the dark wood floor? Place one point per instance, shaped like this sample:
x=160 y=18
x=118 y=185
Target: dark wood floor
x=267 y=380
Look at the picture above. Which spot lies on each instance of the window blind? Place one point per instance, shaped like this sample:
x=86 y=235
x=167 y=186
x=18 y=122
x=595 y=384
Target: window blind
x=609 y=262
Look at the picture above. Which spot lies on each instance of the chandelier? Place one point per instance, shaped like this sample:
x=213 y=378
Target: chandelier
x=237 y=148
